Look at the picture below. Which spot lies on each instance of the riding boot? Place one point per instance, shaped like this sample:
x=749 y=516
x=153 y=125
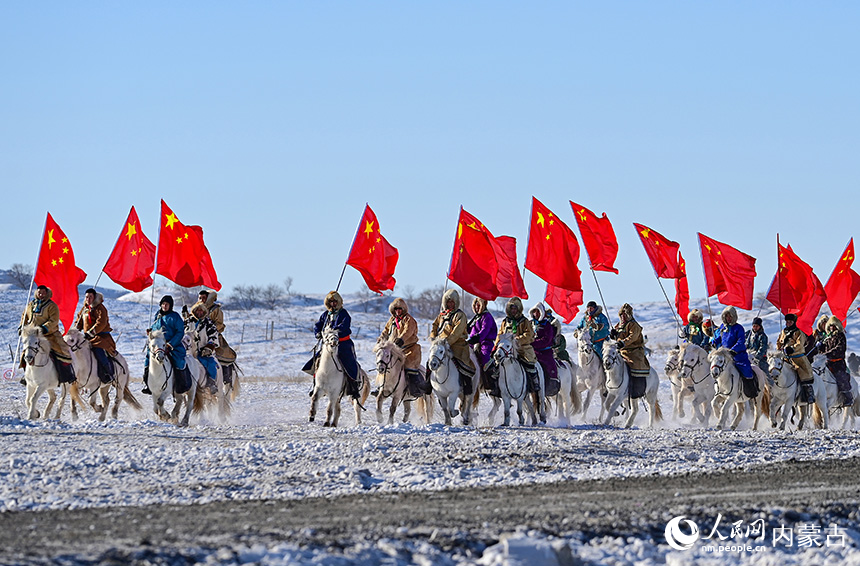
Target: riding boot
x=808 y=393
x=465 y=383
x=352 y=388
x=103 y=373
x=146 y=390
x=227 y=371
x=67 y=373
x=532 y=379
x=846 y=399
x=211 y=385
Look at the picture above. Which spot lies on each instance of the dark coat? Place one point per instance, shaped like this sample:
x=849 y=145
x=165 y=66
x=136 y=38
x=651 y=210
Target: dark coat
x=544 y=338
x=483 y=326
x=341 y=322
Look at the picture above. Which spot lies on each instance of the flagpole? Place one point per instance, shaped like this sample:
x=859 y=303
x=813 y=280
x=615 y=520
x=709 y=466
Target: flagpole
x=763 y=299
x=702 y=262
x=155 y=271
x=96 y=284
x=671 y=307
x=778 y=266
x=454 y=247
x=29 y=292
x=599 y=292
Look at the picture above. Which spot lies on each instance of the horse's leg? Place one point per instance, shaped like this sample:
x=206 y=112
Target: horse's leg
x=379 y=401
x=633 y=405
x=64 y=391
x=451 y=401
x=118 y=397
x=52 y=398
x=491 y=417
x=395 y=400
x=189 y=404
x=507 y=410
x=585 y=404
x=74 y=404
x=104 y=393
x=32 y=413
x=407 y=410
x=612 y=407
x=314 y=399
x=740 y=406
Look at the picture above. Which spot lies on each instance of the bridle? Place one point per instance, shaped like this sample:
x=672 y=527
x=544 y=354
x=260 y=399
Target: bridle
x=610 y=360
x=437 y=361
x=505 y=353
x=716 y=371
x=776 y=371
x=383 y=366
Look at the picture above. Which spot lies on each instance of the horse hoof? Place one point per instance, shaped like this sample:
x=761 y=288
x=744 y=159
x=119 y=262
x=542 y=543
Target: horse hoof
x=326 y=425
x=311 y=419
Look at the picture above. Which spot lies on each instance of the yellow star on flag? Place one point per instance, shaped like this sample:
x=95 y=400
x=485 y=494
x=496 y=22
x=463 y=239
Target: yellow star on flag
x=60 y=260
x=540 y=219
x=647 y=231
x=584 y=218
x=133 y=252
x=65 y=250
x=368 y=228
x=54 y=262
x=65 y=240
x=51 y=239
x=171 y=219
x=131 y=230
x=179 y=240
x=186 y=235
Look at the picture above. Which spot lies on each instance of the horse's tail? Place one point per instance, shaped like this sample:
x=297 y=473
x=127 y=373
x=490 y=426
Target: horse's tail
x=658 y=412
x=575 y=397
x=129 y=398
x=199 y=400
x=817 y=417
x=225 y=405
x=476 y=397
x=234 y=392
x=765 y=400
x=856 y=406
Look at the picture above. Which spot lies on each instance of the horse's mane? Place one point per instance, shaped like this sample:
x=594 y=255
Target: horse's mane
x=390 y=345
x=29 y=330
x=721 y=351
x=156 y=334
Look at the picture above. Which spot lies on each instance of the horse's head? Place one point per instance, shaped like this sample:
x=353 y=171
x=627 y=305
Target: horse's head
x=34 y=343
x=330 y=339
x=505 y=348
x=75 y=339
x=775 y=363
x=439 y=350
x=673 y=363
x=819 y=365
x=157 y=345
x=719 y=360
x=689 y=357
x=387 y=354
x=611 y=357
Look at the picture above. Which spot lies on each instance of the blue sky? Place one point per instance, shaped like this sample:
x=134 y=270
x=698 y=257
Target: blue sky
x=271 y=124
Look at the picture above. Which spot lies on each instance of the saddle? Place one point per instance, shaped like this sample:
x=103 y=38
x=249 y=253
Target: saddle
x=416 y=384
x=532 y=383
x=65 y=371
x=312 y=364
x=750 y=385
x=181 y=380
x=551 y=385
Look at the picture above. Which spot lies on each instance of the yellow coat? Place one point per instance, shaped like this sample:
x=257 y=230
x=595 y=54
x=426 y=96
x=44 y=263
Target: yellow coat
x=524 y=335
x=48 y=318
x=406 y=329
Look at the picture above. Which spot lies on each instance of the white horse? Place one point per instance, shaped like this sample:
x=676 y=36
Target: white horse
x=513 y=385
x=822 y=372
x=591 y=376
x=786 y=394
x=729 y=389
x=330 y=380
x=696 y=378
x=193 y=343
x=86 y=370
x=568 y=402
x=41 y=375
x=392 y=382
x=672 y=369
x=161 y=380
x=618 y=388
x=445 y=378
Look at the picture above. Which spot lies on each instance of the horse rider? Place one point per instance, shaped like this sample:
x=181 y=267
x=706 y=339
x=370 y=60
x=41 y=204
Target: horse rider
x=544 y=338
x=94 y=322
x=206 y=336
x=792 y=342
x=732 y=336
x=524 y=336
x=756 y=343
x=559 y=345
x=223 y=353
x=403 y=330
x=834 y=346
x=692 y=331
x=451 y=324
x=482 y=333
x=337 y=317
x=171 y=324
x=43 y=312
x=631 y=344
x=597 y=325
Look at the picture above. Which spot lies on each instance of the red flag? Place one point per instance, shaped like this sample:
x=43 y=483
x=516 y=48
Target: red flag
x=598 y=237
x=483 y=264
x=56 y=269
x=729 y=273
x=565 y=303
x=553 y=251
x=182 y=256
x=132 y=260
x=372 y=255
x=682 y=290
x=796 y=289
x=844 y=284
x=662 y=252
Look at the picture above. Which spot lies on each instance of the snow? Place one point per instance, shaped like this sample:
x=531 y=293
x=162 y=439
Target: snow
x=267 y=450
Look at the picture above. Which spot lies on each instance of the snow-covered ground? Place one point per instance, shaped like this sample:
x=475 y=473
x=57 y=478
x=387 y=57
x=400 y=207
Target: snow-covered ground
x=268 y=450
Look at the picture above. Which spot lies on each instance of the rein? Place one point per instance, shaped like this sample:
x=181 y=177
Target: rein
x=693 y=367
x=507 y=356
x=775 y=382
x=613 y=362
x=387 y=366
x=442 y=363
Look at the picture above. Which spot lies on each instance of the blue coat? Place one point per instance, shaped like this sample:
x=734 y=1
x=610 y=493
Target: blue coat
x=734 y=338
x=174 y=330
x=341 y=321
x=598 y=328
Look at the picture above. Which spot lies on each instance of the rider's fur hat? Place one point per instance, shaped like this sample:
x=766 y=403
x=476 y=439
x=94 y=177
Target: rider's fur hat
x=822 y=322
x=398 y=303
x=514 y=302
x=338 y=300
x=479 y=305
x=452 y=295
x=695 y=315
x=791 y=317
x=626 y=310
x=199 y=305
x=591 y=304
x=835 y=324
x=756 y=320
x=729 y=316
x=541 y=310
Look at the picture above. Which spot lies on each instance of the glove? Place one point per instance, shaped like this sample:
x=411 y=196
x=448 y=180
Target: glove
x=613 y=333
x=398 y=342
x=318 y=336
x=206 y=352
x=681 y=335
x=44 y=330
x=89 y=335
x=620 y=344
x=168 y=347
x=788 y=350
x=473 y=339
